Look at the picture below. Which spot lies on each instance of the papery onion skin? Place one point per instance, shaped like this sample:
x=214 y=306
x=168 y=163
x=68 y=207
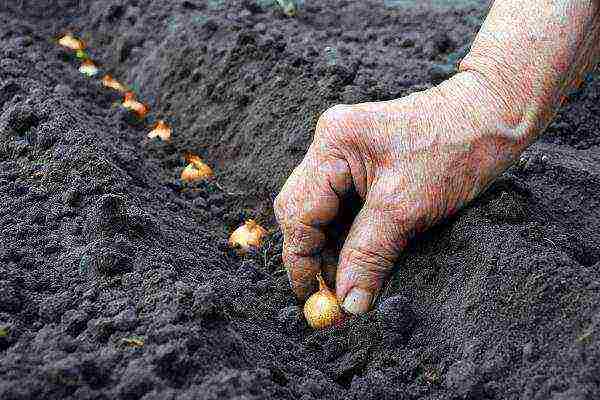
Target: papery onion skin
x=195 y=172
x=161 y=130
x=71 y=42
x=322 y=309
x=110 y=82
x=88 y=68
x=130 y=103
x=246 y=236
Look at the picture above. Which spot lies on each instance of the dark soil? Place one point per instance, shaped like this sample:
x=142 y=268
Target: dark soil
x=115 y=278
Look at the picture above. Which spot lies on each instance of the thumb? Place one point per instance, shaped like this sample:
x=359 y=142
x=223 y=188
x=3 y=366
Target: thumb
x=368 y=255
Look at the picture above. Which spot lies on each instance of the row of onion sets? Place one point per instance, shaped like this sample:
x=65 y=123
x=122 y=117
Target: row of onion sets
x=322 y=308
x=250 y=234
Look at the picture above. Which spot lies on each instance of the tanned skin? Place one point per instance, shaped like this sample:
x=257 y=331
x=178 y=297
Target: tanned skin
x=419 y=159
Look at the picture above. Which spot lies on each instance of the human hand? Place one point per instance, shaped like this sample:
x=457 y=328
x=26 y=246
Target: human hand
x=413 y=161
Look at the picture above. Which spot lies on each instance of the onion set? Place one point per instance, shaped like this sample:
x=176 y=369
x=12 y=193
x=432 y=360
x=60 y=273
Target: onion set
x=246 y=236
x=88 y=68
x=131 y=104
x=71 y=42
x=161 y=130
x=196 y=169
x=109 y=82
x=322 y=308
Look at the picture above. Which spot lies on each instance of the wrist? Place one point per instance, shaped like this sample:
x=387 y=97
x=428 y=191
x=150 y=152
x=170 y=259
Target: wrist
x=479 y=129
x=491 y=113
x=521 y=112
x=527 y=55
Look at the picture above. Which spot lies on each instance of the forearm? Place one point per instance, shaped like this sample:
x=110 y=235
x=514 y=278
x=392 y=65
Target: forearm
x=529 y=54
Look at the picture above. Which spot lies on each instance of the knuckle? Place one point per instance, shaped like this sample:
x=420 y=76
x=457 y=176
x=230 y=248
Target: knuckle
x=303 y=240
x=369 y=262
x=334 y=117
x=301 y=273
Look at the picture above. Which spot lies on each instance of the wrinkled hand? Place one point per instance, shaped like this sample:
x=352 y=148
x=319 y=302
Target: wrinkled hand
x=413 y=161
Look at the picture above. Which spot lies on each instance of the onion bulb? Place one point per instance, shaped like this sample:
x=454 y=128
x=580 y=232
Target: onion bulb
x=71 y=42
x=109 y=82
x=248 y=235
x=161 y=130
x=196 y=169
x=88 y=68
x=322 y=308
x=130 y=103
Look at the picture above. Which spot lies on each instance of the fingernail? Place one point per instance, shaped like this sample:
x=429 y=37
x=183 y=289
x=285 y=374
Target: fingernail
x=358 y=301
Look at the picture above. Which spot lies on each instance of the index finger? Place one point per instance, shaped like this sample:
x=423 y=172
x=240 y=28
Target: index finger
x=309 y=201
